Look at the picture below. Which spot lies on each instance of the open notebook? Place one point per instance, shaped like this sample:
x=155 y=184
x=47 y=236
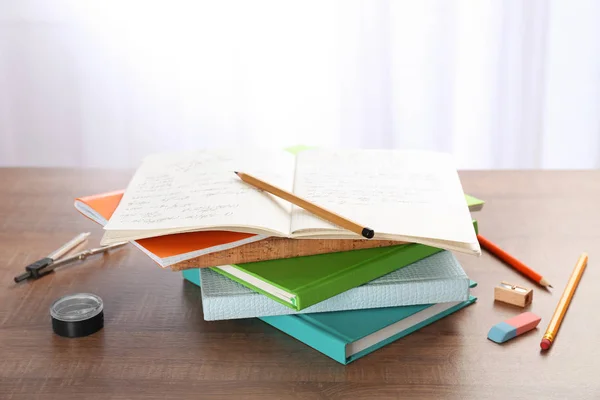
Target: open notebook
x=182 y=251
x=408 y=196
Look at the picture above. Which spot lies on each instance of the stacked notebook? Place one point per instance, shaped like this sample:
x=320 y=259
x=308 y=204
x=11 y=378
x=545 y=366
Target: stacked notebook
x=340 y=294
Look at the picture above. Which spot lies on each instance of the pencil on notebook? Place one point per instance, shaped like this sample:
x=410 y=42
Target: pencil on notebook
x=308 y=206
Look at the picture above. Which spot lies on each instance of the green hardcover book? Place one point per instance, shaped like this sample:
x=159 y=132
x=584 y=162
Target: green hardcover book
x=303 y=281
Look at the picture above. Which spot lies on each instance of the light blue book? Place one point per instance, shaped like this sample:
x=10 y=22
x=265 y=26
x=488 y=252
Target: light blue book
x=346 y=336
x=436 y=279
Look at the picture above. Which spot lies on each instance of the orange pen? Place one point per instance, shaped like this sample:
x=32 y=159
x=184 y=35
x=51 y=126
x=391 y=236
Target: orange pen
x=513 y=262
x=563 y=304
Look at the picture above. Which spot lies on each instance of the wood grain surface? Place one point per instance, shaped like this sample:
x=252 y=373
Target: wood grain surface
x=156 y=345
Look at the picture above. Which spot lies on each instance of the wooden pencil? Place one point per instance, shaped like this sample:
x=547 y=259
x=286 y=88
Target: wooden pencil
x=563 y=304
x=513 y=262
x=308 y=206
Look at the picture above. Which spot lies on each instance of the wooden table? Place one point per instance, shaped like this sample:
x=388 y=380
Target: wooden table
x=156 y=345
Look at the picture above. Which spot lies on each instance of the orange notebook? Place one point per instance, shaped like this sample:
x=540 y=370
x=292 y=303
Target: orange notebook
x=170 y=249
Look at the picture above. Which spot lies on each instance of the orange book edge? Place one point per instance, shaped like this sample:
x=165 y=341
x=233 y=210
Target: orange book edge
x=170 y=249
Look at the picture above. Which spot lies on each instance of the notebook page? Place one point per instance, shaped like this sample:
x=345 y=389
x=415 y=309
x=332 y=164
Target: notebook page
x=406 y=193
x=199 y=189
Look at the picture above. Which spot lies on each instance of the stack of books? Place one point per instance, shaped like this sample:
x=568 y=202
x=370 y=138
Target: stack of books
x=253 y=256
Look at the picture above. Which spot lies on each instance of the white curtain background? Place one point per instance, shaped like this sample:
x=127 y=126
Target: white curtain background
x=500 y=84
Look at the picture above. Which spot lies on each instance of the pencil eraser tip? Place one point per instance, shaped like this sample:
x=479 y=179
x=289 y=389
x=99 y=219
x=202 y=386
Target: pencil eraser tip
x=545 y=344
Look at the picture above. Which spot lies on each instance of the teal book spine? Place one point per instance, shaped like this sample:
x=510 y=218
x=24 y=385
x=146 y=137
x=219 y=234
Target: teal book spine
x=192 y=275
x=331 y=344
x=316 y=337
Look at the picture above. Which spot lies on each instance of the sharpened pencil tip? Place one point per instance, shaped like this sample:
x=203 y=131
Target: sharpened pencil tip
x=551 y=286
x=235 y=172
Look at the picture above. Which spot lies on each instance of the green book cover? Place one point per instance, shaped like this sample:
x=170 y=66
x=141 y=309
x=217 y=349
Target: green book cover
x=303 y=281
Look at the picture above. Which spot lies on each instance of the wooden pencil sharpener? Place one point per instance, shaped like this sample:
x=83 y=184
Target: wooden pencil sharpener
x=513 y=294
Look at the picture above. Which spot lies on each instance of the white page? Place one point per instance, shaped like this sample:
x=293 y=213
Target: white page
x=199 y=189
x=408 y=193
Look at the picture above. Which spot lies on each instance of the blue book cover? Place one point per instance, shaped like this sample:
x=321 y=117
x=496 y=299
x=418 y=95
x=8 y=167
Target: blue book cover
x=436 y=279
x=346 y=336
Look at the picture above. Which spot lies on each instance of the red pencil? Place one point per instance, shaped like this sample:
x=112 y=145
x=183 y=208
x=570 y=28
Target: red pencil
x=513 y=262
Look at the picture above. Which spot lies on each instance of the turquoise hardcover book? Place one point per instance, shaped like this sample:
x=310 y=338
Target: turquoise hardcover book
x=346 y=336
